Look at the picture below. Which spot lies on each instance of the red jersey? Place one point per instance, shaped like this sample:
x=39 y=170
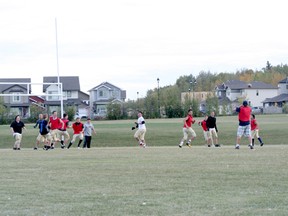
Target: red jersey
x=65 y=124
x=254 y=124
x=204 y=126
x=55 y=123
x=77 y=127
x=189 y=121
x=244 y=114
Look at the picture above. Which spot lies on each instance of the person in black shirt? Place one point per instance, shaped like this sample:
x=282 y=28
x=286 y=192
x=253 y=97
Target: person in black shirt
x=16 y=128
x=212 y=127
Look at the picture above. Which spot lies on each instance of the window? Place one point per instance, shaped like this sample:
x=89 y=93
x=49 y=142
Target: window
x=53 y=97
x=16 y=97
x=103 y=93
x=69 y=94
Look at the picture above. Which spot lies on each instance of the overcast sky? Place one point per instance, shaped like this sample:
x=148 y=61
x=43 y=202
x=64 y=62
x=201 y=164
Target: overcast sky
x=131 y=43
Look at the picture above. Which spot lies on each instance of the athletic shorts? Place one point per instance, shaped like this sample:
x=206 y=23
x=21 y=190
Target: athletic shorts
x=244 y=130
x=187 y=132
x=140 y=134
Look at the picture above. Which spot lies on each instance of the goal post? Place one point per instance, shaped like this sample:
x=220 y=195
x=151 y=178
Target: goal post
x=29 y=92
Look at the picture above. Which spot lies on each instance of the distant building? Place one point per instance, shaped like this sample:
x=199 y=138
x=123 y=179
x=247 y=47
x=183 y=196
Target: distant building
x=103 y=94
x=16 y=104
x=254 y=92
x=72 y=96
x=281 y=99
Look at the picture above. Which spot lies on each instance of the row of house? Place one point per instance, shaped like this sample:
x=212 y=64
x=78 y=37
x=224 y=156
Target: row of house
x=85 y=104
x=258 y=94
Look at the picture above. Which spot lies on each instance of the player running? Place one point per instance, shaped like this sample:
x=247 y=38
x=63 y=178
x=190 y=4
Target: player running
x=255 y=130
x=78 y=129
x=55 y=124
x=187 y=130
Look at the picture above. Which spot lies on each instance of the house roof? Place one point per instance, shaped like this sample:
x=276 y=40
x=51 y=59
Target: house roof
x=70 y=83
x=278 y=98
x=238 y=84
x=106 y=84
x=4 y=87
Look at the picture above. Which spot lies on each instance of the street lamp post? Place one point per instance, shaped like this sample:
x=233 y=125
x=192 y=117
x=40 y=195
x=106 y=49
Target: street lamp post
x=159 y=115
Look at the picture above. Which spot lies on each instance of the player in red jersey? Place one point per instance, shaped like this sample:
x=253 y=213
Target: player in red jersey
x=255 y=130
x=63 y=133
x=206 y=132
x=187 y=129
x=78 y=129
x=244 y=128
x=55 y=124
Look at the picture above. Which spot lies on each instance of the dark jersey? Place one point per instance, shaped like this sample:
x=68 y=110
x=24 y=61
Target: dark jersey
x=17 y=126
x=43 y=127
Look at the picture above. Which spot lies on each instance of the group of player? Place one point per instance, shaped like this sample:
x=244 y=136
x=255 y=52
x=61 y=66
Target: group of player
x=53 y=130
x=248 y=127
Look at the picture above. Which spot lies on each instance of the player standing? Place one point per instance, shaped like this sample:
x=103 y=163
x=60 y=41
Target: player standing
x=244 y=127
x=187 y=130
x=206 y=132
x=255 y=130
x=212 y=128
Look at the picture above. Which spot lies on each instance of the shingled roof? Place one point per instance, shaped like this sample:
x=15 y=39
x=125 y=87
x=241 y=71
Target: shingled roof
x=238 y=84
x=4 y=87
x=70 y=83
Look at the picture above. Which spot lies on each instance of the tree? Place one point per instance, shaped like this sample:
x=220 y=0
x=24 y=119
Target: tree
x=113 y=111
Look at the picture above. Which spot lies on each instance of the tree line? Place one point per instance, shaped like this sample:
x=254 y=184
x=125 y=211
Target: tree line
x=170 y=96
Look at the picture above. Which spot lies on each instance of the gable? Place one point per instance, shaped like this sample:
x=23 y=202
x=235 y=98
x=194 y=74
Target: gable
x=69 y=83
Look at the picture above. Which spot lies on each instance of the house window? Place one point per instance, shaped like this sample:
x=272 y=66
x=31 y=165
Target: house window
x=16 y=97
x=286 y=86
x=68 y=94
x=53 y=97
x=102 y=93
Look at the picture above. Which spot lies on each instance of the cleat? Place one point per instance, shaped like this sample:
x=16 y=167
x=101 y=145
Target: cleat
x=188 y=145
x=217 y=145
x=262 y=144
x=251 y=147
x=180 y=146
x=35 y=148
x=62 y=146
x=237 y=147
x=209 y=145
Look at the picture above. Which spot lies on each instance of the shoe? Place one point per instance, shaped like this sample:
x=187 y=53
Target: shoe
x=251 y=147
x=237 y=147
x=14 y=148
x=189 y=145
x=209 y=145
x=18 y=149
x=78 y=147
x=180 y=146
x=62 y=146
x=262 y=144
x=35 y=148
x=217 y=145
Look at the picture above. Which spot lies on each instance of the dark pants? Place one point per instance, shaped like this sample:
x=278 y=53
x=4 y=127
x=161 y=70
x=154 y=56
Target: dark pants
x=87 y=142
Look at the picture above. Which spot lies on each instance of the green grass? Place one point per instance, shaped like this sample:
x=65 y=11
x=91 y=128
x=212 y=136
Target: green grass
x=116 y=177
x=162 y=132
x=152 y=181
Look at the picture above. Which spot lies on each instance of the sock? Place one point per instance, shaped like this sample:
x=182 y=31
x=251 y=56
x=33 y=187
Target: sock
x=62 y=142
x=80 y=141
x=69 y=145
x=260 y=140
x=253 y=141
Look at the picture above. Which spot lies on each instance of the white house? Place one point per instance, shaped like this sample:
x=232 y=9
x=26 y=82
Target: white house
x=254 y=92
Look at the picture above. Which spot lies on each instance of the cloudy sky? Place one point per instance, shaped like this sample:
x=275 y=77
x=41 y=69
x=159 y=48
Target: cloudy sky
x=131 y=43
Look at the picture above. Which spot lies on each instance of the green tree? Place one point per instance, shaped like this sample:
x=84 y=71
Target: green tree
x=114 y=111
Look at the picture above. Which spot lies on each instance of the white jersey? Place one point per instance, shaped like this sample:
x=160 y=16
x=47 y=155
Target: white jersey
x=140 y=125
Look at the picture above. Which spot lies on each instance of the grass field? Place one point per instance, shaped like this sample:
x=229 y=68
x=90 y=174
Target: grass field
x=116 y=177
x=162 y=132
